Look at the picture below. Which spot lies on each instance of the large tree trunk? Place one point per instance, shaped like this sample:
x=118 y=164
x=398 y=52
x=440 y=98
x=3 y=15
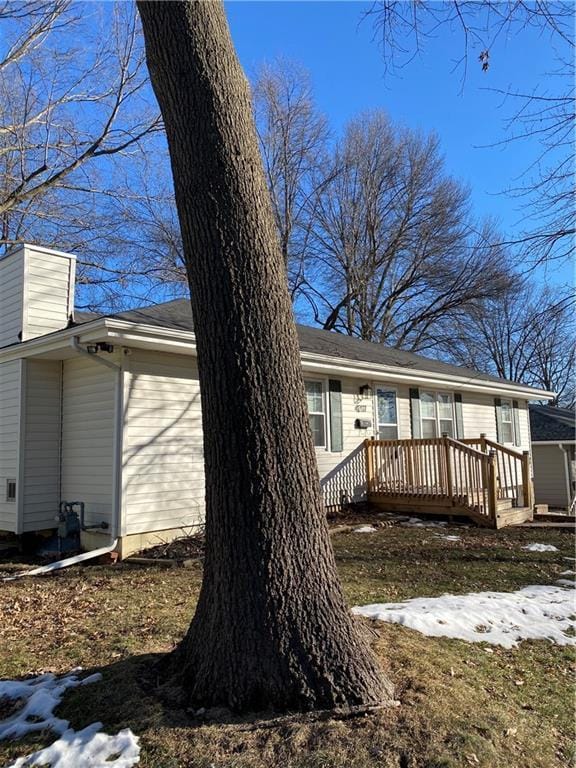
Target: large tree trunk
x=271 y=628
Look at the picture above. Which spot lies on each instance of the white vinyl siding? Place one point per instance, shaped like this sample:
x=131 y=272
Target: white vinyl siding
x=36 y=293
x=11 y=299
x=550 y=485
x=479 y=415
x=41 y=454
x=163 y=458
x=48 y=291
x=88 y=414
x=10 y=410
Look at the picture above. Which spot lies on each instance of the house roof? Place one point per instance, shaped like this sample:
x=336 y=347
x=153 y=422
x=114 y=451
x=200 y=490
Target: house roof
x=549 y=424
x=177 y=315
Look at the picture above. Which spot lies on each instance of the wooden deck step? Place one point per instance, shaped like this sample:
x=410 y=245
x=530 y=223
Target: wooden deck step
x=502 y=504
x=513 y=516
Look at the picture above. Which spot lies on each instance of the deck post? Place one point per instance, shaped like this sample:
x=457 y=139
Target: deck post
x=369 y=447
x=483 y=442
x=446 y=443
x=492 y=486
x=527 y=497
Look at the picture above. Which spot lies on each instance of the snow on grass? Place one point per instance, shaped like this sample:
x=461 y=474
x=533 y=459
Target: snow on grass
x=37 y=698
x=498 y=618
x=417 y=522
x=447 y=538
x=364 y=529
x=86 y=749
x=540 y=548
x=567 y=573
x=40 y=695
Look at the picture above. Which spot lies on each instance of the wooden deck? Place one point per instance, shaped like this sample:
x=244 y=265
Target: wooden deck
x=476 y=479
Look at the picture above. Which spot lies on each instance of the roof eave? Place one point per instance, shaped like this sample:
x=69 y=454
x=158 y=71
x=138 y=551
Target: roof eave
x=184 y=342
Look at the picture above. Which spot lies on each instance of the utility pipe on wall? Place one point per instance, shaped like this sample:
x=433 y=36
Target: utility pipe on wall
x=118 y=425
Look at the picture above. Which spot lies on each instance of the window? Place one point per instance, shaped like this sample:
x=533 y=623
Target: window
x=507 y=422
x=10 y=490
x=386 y=414
x=437 y=414
x=316 y=411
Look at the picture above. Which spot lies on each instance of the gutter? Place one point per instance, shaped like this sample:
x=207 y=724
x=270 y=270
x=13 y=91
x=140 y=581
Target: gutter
x=184 y=342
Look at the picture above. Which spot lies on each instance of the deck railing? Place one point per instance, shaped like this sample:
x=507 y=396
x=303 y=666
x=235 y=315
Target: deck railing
x=452 y=471
x=512 y=470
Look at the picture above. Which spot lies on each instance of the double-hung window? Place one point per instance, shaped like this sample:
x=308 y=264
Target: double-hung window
x=507 y=422
x=387 y=413
x=437 y=414
x=316 y=411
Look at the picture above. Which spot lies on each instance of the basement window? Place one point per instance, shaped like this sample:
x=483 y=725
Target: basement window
x=10 y=490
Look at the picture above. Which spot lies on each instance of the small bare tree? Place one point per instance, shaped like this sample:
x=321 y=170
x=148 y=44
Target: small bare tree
x=527 y=335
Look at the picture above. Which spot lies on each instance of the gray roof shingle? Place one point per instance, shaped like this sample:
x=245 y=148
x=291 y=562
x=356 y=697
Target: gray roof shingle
x=552 y=424
x=177 y=314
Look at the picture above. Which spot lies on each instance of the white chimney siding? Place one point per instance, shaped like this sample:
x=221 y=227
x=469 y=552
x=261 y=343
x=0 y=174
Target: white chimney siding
x=36 y=298
x=36 y=292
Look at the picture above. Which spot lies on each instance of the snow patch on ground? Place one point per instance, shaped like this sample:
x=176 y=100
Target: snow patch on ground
x=447 y=538
x=364 y=529
x=498 y=618
x=567 y=573
x=417 y=522
x=540 y=548
x=87 y=748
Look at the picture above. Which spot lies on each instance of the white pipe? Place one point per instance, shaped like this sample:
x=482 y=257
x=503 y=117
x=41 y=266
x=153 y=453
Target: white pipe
x=116 y=506
x=118 y=425
x=566 y=475
x=64 y=563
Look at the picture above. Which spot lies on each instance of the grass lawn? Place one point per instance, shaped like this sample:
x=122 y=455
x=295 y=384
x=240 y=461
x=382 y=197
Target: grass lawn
x=461 y=704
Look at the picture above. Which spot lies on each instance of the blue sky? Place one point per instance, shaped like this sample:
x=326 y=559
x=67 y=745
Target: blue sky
x=345 y=61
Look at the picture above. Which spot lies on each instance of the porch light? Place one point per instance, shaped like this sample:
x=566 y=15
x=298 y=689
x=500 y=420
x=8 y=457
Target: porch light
x=365 y=390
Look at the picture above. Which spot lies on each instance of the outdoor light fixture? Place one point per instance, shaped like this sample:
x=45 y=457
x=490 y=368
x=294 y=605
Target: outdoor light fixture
x=365 y=390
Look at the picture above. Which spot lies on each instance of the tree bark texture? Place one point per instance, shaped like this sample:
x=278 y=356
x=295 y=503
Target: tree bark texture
x=271 y=629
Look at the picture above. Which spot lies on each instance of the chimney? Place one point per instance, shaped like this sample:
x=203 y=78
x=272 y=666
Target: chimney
x=36 y=292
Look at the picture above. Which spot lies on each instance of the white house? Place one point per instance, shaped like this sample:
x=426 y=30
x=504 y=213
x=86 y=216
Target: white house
x=554 y=455
x=105 y=410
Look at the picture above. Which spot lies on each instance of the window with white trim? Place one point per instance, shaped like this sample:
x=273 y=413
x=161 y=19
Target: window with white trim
x=316 y=411
x=437 y=413
x=507 y=422
x=386 y=413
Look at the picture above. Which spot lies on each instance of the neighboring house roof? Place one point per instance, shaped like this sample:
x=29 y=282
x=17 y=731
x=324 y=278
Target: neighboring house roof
x=551 y=425
x=177 y=315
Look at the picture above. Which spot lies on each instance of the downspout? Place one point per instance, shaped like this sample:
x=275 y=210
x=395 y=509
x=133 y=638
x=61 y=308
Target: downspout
x=566 y=475
x=117 y=482
x=118 y=426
